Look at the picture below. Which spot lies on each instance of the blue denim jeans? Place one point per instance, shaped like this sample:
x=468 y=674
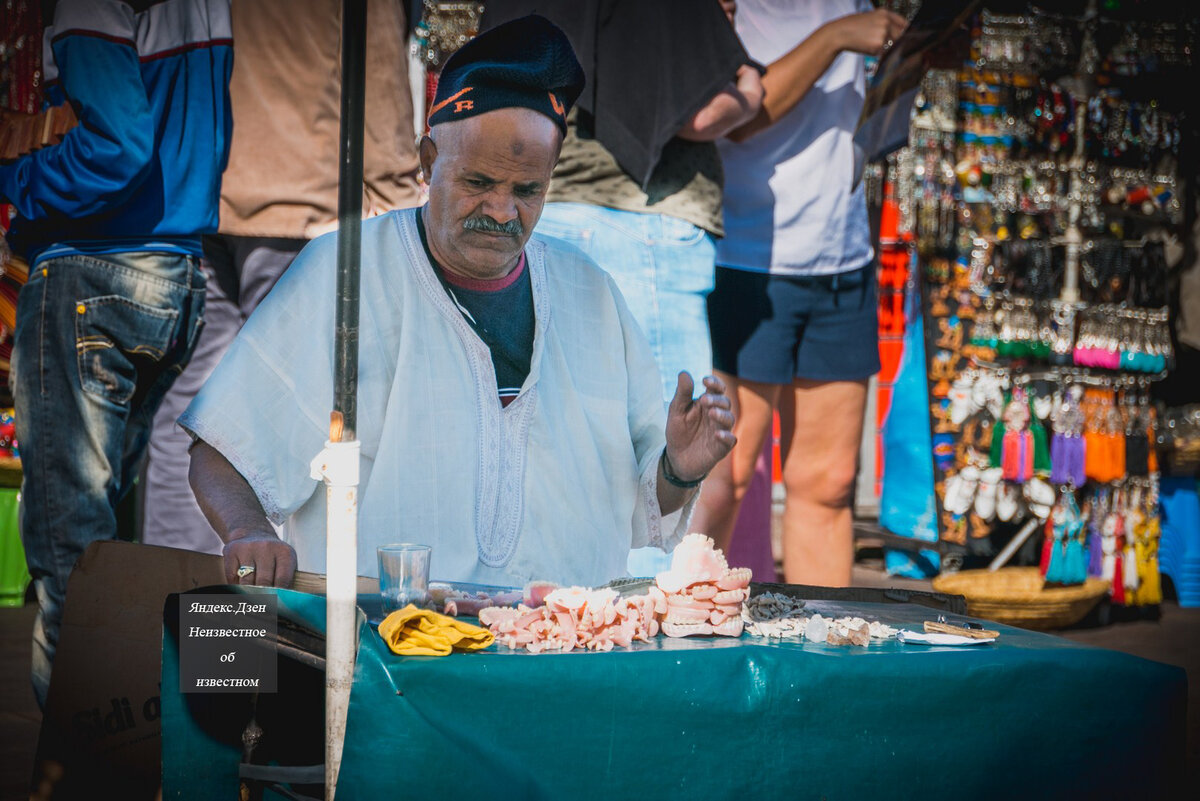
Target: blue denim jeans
x=240 y=271
x=98 y=341
x=664 y=267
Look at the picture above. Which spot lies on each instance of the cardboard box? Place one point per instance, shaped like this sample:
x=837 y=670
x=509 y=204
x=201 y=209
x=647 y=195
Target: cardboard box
x=100 y=734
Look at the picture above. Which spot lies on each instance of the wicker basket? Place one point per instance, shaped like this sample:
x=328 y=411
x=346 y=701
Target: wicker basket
x=1018 y=596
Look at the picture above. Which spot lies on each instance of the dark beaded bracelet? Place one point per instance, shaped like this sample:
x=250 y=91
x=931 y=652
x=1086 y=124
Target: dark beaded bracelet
x=674 y=480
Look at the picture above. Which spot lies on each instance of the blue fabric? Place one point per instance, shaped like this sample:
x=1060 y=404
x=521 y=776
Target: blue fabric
x=1024 y=717
x=1179 y=549
x=664 y=268
x=98 y=342
x=145 y=161
x=775 y=328
x=907 y=505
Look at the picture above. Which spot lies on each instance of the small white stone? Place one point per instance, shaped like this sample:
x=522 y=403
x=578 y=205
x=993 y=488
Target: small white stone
x=817 y=629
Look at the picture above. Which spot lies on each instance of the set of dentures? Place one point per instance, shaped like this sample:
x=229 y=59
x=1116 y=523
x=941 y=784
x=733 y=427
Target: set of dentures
x=699 y=595
x=703 y=594
x=576 y=617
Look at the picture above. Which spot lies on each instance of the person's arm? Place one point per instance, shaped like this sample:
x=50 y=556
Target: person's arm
x=792 y=75
x=699 y=434
x=236 y=514
x=109 y=153
x=728 y=109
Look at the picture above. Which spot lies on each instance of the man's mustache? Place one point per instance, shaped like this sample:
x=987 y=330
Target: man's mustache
x=484 y=223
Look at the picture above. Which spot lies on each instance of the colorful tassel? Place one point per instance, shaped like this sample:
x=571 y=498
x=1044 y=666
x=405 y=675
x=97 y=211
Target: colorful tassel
x=1117 y=593
x=1054 y=570
x=1095 y=549
x=1130 y=576
x=1010 y=456
x=1047 y=547
x=1040 y=461
x=1074 y=564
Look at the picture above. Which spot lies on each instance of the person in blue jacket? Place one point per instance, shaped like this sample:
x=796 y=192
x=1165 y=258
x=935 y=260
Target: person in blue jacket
x=110 y=221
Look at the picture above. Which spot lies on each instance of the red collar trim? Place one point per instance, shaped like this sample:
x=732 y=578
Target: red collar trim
x=485 y=284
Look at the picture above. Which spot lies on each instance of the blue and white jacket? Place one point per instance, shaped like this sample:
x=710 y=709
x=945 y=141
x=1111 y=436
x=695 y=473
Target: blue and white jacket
x=149 y=82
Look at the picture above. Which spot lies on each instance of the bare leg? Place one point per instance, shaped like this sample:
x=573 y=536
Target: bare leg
x=753 y=404
x=820 y=441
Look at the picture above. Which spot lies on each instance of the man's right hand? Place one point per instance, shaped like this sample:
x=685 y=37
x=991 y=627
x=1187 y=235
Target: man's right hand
x=235 y=513
x=869 y=33
x=273 y=560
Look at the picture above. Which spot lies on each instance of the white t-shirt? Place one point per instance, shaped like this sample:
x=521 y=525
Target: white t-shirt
x=791 y=205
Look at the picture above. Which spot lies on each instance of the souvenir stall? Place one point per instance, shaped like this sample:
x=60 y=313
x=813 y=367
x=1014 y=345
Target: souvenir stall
x=1041 y=192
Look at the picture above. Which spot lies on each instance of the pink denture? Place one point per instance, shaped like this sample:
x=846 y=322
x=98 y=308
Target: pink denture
x=736 y=578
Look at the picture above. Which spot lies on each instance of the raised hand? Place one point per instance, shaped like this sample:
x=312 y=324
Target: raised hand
x=869 y=33
x=699 y=431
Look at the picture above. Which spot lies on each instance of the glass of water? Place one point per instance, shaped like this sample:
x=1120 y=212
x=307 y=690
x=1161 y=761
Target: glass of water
x=403 y=575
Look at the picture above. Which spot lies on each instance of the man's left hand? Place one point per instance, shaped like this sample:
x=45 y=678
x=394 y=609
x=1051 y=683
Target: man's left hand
x=699 y=431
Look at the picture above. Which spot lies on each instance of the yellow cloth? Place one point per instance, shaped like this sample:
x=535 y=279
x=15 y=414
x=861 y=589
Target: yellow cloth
x=421 y=632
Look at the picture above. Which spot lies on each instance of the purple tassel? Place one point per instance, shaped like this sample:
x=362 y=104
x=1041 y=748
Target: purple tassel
x=1066 y=460
x=1075 y=456
x=1058 y=460
x=1095 y=549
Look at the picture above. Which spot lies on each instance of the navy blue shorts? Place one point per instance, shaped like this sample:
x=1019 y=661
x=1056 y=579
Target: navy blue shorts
x=773 y=328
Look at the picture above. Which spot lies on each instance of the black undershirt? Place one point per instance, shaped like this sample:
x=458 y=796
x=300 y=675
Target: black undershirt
x=503 y=317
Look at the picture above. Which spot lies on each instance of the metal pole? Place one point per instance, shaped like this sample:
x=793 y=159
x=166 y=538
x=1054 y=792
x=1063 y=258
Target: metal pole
x=349 y=237
x=338 y=464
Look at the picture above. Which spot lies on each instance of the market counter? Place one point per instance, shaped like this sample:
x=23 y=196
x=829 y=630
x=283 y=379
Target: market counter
x=1029 y=716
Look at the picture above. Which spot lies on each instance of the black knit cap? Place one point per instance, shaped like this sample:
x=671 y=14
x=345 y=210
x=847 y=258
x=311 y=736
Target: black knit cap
x=528 y=62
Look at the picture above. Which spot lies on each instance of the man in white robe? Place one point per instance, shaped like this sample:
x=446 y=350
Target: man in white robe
x=556 y=480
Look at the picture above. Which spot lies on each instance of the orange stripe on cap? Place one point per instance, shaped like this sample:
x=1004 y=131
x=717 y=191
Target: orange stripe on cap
x=447 y=101
x=558 y=107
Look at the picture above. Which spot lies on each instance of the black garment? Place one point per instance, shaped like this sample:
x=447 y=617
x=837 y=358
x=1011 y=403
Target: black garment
x=1137 y=454
x=650 y=65
x=503 y=318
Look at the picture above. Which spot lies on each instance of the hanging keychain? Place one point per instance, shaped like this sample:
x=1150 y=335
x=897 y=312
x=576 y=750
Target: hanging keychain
x=1074 y=561
x=1115 y=433
x=1150 y=591
x=1049 y=545
x=1137 y=440
x=1066 y=447
x=1095 y=545
x=1130 y=575
x=1095 y=450
x=1017 y=446
x=1056 y=531
x=1117 y=590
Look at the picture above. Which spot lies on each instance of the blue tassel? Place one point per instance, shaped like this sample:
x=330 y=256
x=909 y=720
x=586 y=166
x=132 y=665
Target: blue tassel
x=1075 y=567
x=1054 y=571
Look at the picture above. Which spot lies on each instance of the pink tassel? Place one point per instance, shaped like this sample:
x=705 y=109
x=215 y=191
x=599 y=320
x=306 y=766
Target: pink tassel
x=1026 y=456
x=1010 y=455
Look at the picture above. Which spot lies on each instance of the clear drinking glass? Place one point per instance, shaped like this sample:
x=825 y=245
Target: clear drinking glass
x=403 y=575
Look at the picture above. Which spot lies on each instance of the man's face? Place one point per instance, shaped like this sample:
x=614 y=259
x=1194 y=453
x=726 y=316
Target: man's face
x=488 y=177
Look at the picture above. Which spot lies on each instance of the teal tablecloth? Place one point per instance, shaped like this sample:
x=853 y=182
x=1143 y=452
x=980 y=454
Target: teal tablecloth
x=1030 y=716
